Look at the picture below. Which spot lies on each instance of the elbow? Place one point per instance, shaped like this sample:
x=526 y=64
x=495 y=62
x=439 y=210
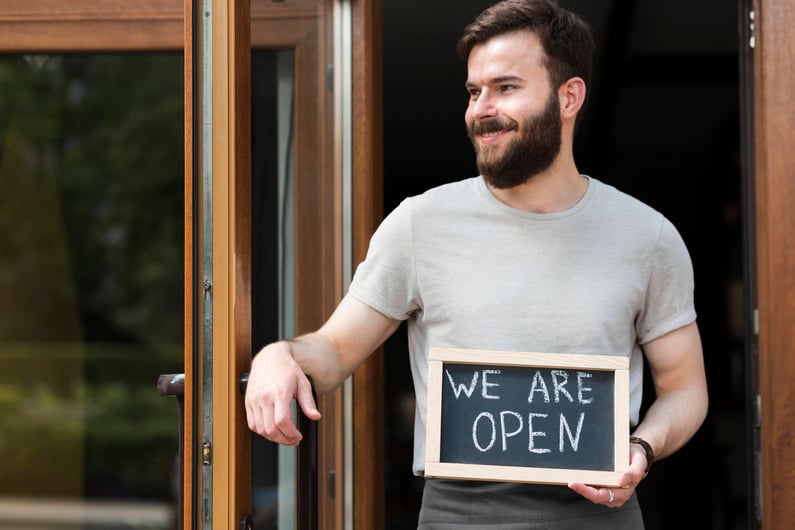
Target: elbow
x=704 y=404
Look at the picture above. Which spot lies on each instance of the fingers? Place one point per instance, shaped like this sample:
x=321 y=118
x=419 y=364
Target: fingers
x=606 y=496
x=273 y=421
x=615 y=497
x=306 y=401
x=269 y=411
x=275 y=380
x=269 y=420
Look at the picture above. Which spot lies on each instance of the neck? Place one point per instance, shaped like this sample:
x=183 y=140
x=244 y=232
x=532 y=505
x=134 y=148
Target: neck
x=557 y=189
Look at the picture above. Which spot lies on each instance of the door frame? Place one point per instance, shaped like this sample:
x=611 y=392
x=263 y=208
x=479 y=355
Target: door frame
x=304 y=25
x=368 y=211
x=84 y=26
x=226 y=32
x=223 y=283
x=774 y=196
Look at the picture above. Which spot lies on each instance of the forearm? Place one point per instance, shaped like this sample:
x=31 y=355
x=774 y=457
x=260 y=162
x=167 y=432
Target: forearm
x=673 y=419
x=670 y=422
x=319 y=358
x=677 y=369
x=330 y=354
x=279 y=371
x=314 y=355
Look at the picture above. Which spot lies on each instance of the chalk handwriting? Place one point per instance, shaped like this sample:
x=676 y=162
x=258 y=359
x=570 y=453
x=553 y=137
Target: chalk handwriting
x=512 y=424
x=459 y=388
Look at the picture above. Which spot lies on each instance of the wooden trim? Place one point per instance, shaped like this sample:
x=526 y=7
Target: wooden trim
x=283 y=24
x=231 y=152
x=241 y=339
x=317 y=224
x=189 y=279
x=774 y=72
x=368 y=381
x=306 y=26
x=316 y=236
x=40 y=26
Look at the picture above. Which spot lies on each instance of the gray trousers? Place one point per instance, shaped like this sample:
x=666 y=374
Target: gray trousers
x=454 y=504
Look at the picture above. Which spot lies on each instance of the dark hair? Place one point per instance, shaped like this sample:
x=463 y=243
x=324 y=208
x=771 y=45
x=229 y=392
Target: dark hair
x=567 y=39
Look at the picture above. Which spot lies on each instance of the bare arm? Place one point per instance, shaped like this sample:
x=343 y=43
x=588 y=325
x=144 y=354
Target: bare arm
x=329 y=356
x=677 y=366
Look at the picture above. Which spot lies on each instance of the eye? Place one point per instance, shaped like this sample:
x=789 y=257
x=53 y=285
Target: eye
x=507 y=88
x=473 y=93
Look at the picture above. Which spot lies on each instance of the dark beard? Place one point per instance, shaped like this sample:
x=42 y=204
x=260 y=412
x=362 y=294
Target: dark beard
x=532 y=153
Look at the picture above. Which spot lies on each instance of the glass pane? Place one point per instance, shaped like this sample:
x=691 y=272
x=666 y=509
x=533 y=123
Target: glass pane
x=91 y=276
x=272 y=188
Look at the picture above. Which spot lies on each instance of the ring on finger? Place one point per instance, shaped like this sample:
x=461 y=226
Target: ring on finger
x=612 y=496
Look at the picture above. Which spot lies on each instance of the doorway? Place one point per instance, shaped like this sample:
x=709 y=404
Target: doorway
x=663 y=125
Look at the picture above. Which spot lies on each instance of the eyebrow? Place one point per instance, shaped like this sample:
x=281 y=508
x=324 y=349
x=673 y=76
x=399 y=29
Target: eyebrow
x=497 y=80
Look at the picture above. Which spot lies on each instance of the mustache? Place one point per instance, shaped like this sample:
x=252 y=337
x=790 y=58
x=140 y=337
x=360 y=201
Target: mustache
x=489 y=126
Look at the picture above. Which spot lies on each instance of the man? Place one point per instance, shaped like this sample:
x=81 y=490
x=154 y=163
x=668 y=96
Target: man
x=529 y=256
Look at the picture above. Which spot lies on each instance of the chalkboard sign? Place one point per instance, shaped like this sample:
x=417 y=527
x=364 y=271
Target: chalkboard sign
x=527 y=417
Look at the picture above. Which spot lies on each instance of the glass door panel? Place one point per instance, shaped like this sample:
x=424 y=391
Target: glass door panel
x=295 y=274
x=273 y=283
x=91 y=279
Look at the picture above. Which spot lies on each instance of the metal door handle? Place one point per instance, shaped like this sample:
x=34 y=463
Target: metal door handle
x=173 y=385
x=307 y=469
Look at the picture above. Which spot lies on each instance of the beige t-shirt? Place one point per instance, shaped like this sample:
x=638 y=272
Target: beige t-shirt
x=468 y=271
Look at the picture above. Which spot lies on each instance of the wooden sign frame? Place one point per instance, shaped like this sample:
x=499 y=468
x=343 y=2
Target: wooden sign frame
x=437 y=469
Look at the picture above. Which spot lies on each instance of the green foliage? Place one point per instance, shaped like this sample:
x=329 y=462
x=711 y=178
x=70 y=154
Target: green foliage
x=91 y=272
x=112 y=433
x=126 y=427
x=91 y=190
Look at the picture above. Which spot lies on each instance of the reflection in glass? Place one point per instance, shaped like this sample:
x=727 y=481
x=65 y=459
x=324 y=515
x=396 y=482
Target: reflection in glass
x=91 y=238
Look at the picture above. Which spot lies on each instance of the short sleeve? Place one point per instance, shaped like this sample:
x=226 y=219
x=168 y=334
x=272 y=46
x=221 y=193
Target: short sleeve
x=669 y=301
x=386 y=280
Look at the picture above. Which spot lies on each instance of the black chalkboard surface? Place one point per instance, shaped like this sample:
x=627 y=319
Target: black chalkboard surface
x=527 y=417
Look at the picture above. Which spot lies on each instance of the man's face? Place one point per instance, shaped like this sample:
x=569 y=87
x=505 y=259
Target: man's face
x=513 y=117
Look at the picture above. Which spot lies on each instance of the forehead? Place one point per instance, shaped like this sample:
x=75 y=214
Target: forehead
x=516 y=54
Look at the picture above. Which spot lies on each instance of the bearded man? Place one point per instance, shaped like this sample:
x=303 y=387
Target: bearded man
x=530 y=255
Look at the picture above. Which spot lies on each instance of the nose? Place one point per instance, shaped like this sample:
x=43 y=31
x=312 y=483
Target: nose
x=482 y=106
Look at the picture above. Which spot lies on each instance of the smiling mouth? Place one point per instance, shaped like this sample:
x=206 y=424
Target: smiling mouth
x=492 y=134
x=492 y=137
x=490 y=129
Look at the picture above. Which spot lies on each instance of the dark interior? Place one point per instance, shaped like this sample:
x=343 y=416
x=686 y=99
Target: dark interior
x=662 y=124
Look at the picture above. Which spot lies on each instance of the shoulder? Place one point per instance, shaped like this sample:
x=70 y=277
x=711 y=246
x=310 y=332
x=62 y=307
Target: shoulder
x=639 y=224
x=625 y=212
x=621 y=202
x=447 y=194
x=432 y=206
x=438 y=203
x=631 y=221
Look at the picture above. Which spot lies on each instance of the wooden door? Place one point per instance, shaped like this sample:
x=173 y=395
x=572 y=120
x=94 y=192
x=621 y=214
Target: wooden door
x=90 y=260
x=219 y=269
x=327 y=214
x=774 y=234
x=225 y=37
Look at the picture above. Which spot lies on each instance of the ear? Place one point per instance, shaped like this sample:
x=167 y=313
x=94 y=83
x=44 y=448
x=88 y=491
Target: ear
x=572 y=97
